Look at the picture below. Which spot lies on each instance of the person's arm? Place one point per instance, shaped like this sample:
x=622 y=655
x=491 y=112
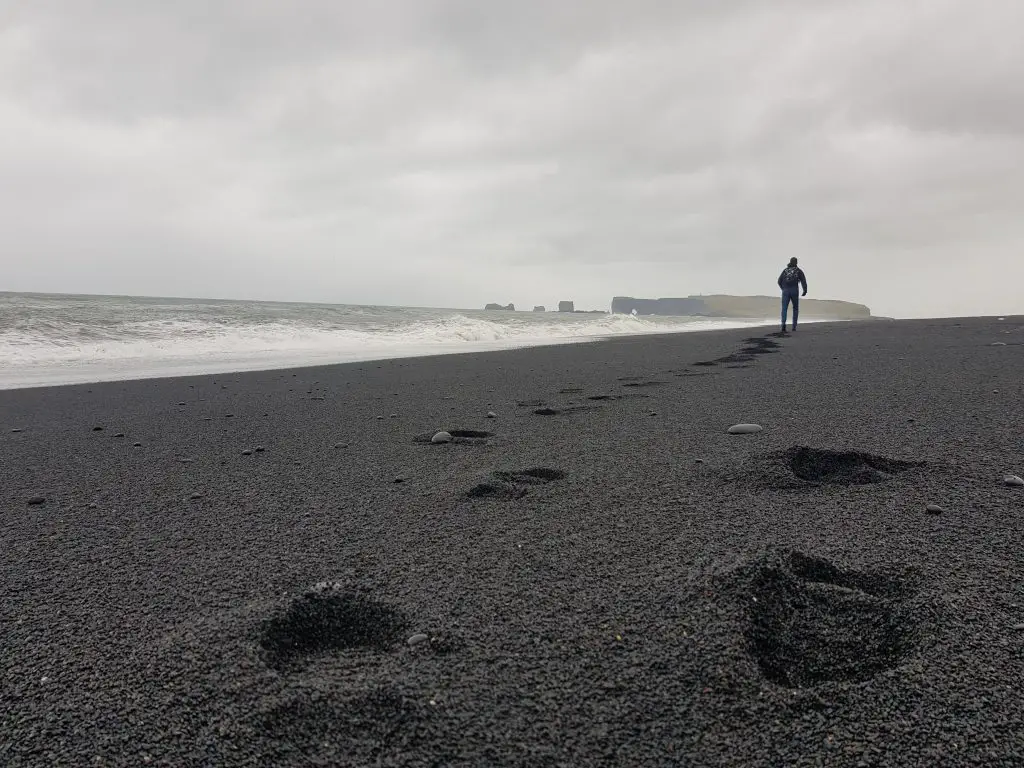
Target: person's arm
x=803 y=281
x=781 y=286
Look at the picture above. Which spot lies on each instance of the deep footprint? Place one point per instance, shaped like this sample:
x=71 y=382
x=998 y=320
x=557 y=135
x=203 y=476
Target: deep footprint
x=324 y=618
x=463 y=436
x=811 y=623
x=514 y=484
x=816 y=465
x=564 y=410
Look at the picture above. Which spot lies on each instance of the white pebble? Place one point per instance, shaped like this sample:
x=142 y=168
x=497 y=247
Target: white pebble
x=491 y=415
x=1013 y=480
x=934 y=509
x=441 y=437
x=416 y=639
x=744 y=429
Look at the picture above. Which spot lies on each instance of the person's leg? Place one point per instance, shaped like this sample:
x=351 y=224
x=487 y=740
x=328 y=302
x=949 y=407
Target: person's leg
x=796 y=308
x=785 y=308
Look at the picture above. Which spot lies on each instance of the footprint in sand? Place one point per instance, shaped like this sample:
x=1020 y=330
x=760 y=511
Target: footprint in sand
x=755 y=345
x=802 y=467
x=515 y=484
x=327 y=617
x=811 y=622
x=459 y=436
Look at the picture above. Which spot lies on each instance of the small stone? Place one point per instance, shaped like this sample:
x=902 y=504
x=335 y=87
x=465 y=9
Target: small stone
x=399 y=480
x=16 y=430
x=180 y=403
x=1013 y=480
x=137 y=445
x=119 y=434
x=247 y=452
x=492 y=415
x=745 y=429
x=380 y=418
x=97 y=429
x=998 y=343
x=93 y=505
x=34 y=500
x=417 y=639
x=394 y=415
x=229 y=415
x=441 y=437
x=698 y=461
x=1018 y=627
x=260 y=449
x=935 y=509
x=197 y=495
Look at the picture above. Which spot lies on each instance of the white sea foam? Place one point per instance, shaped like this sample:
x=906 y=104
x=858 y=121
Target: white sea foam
x=54 y=339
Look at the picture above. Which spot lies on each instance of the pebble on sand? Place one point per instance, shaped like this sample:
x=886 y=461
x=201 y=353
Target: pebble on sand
x=1013 y=480
x=197 y=495
x=97 y=429
x=417 y=639
x=441 y=437
x=247 y=452
x=33 y=500
x=492 y=415
x=998 y=343
x=137 y=445
x=260 y=449
x=744 y=429
x=934 y=509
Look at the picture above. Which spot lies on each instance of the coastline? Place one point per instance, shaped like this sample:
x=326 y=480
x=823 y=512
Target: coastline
x=127 y=369
x=599 y=612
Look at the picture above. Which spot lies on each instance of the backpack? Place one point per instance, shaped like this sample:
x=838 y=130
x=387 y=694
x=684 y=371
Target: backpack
x=791 y=276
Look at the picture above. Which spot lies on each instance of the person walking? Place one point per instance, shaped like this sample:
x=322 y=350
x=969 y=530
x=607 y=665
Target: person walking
x=790 y=281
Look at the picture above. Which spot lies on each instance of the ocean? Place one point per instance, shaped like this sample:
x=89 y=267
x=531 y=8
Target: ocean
x=48 y=339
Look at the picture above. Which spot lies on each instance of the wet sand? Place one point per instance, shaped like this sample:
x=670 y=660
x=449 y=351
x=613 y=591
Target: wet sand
x=229 y=571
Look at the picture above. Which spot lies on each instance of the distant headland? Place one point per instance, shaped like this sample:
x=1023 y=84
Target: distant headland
x=737 y=306
x=715 y=306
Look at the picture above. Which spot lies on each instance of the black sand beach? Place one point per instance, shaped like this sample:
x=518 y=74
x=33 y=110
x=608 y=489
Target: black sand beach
x=618 y=583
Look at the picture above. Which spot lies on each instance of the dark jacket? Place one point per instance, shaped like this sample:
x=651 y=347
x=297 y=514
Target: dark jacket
x=801 y=280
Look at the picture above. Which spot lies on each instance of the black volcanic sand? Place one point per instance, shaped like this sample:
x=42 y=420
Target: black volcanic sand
x=623 y=584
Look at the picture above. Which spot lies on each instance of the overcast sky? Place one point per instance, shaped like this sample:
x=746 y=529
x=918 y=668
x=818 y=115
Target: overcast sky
x=455 y=152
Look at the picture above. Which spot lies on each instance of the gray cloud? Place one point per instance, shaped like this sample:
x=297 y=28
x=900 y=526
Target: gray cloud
x=450 y=153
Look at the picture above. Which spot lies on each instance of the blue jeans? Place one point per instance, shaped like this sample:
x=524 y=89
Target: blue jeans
x=790 y=295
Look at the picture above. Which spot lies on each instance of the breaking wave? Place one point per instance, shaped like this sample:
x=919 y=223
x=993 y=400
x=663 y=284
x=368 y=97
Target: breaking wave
x=53 y=339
